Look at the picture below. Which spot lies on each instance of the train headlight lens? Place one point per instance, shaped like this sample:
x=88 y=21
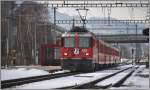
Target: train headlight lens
x=65 y=54
x=87 y=54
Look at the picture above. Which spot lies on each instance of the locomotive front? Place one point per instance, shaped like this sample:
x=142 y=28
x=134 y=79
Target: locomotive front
x=76 y=50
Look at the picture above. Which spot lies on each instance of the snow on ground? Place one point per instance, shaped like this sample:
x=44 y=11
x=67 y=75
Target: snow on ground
x=121 y=67
x=138 y=80
x=66 y=81
x=7 y=74
x=113 y=80
x=124 y=60
x=125 y=66
x=46 y=68
x=62 y=71
x=69 y=80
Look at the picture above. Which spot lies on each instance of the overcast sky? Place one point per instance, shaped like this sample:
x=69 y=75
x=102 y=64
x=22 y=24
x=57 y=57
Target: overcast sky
x=118 y=13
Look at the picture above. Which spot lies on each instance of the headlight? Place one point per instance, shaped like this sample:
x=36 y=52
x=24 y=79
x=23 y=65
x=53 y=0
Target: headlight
x=87 y=54
x=65 y=54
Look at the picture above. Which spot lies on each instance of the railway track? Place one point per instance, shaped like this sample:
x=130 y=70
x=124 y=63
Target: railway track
x=21 y=81
x=91 y=84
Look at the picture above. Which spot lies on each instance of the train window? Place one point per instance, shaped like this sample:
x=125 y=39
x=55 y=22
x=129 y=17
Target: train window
x=69 y=42
x=84 y=42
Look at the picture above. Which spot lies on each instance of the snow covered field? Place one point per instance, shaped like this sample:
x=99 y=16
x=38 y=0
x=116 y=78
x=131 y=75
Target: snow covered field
x=7 y=74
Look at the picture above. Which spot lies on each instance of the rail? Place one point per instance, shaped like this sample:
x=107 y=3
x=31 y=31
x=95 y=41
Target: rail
x=21 y=81
x=92 y=83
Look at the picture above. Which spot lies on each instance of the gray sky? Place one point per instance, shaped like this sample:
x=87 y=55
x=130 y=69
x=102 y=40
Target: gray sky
x=118 y=13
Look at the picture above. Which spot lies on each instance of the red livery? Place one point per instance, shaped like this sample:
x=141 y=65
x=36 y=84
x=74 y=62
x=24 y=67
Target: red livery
x=81 y=51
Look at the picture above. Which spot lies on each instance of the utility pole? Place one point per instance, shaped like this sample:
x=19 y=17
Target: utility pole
x=73 y=25
x=132 y=50
x=35 y=49
x=149 y=36
x=136 y=52
x=127 y=28
x=55 y=16
x=18 y=41
x=53 y=40
x=7 y=41
x=120 y=51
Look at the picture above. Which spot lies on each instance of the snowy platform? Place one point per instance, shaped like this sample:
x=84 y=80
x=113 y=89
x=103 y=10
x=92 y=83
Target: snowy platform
x=7 y=74
x=15 y=73
x=46 y=68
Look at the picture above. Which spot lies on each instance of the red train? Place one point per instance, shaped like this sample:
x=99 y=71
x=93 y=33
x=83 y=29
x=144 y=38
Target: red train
x=81 y=51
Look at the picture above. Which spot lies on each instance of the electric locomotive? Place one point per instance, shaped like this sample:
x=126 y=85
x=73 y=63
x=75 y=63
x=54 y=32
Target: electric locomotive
x=81 y=51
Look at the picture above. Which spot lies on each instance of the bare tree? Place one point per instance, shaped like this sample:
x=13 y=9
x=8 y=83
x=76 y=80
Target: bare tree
x=30 y=16
x=29 y=23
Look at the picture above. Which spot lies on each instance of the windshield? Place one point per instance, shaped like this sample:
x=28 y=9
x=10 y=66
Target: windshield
x=84 y=42
x=69 y=42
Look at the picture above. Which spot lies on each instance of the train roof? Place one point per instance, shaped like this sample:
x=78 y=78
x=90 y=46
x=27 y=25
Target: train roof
x=70 y=34
x=108 y=45
x=78 y=29
x=82 y=32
